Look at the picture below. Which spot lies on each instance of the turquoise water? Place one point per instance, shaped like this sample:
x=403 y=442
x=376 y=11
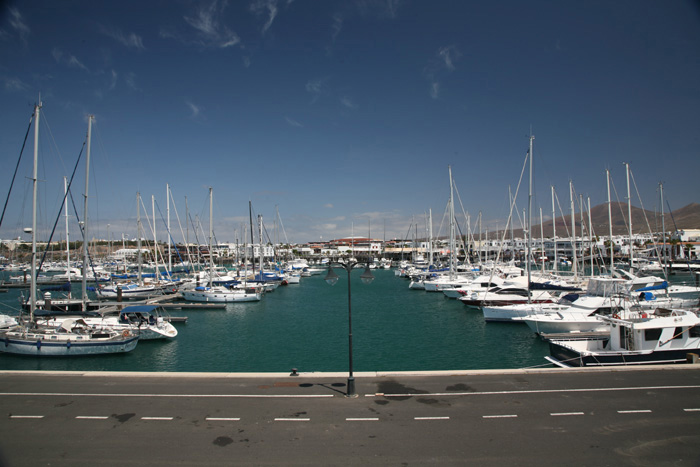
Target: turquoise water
x=305 y=326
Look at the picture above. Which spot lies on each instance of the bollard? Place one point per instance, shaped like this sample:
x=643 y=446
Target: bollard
x=47 y=301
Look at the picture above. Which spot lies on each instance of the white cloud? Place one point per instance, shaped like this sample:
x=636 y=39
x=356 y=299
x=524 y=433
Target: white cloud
x=193 y=108
x=17 y=23
x=14 y=84
x=129 y=40
x=113 y=82
x=293 y=122
x=67 y=59
x=328 y=205
x=337 y=25
x=348 y=102
x=130 y=80
x=260 y=6
x=443 y=62
x=317 y=88
x=211 y=33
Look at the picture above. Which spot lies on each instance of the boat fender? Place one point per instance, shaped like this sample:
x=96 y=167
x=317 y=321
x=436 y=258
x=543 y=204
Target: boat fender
x=125 y=333
x=68 y=344
x=38 y=344
x=616 y=316
x=644 y=315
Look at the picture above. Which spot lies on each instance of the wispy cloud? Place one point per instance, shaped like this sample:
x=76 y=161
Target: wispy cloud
x=14 y=84
x=113 y=80
x=260 y=7
x=67 y=59
x=193 y=108
x=293 y=122
x=337 y=25
x=130 y=80
x=317 y=88
x=210 y=32
x=17 y=23
x=348 y=102
x=328 y=205
x=129 y=40
x=443 y=62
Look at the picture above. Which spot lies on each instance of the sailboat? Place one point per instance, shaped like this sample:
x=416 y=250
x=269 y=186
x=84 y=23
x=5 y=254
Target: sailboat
x=217 y=293
x=74 y=336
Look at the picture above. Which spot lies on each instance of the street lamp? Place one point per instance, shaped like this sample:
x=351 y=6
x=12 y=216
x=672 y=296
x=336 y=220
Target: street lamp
x=332 y=279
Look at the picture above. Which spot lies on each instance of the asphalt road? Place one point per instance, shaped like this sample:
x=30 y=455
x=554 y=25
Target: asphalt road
x=534 y=417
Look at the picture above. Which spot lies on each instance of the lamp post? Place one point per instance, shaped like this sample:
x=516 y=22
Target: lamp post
x=332 y=278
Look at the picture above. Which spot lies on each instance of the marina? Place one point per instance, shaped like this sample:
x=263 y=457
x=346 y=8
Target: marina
x=304 y=326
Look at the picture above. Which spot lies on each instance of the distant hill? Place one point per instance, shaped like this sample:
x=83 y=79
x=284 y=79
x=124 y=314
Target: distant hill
x=687 y=217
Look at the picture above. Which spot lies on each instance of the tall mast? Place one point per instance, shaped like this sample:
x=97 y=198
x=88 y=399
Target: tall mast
x=170 y=255
x=663 y=231
x=554 y=232
x=610 y=227
x=85 y=215
x=629 y=209
x=529 y=226
x=452 y=226
x=590 y=233
x=155 y=237
x=211 y=237
x=32 y=292
x=574 y=259
x=138 y=238
x=65 y=203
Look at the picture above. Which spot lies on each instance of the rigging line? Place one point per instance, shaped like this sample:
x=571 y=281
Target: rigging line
x=644 y=212
x=60 y=209
x=179 y=223
x=31 y=119
x=510 y=214
x=172 y=240
x=676 y=228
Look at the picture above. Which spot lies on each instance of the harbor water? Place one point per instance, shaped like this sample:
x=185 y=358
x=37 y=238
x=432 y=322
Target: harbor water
x=305 y=326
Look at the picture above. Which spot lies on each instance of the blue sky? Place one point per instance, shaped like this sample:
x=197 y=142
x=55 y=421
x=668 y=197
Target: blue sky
x=346 y=114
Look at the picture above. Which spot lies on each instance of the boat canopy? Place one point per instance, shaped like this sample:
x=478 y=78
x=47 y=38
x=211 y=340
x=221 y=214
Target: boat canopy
x=139 y=309
x=661 y=286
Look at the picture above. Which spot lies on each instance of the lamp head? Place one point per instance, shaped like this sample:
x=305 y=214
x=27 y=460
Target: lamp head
x=367 y=277
x=331 y=277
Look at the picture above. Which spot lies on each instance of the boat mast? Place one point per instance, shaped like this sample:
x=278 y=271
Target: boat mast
x=138 y=238
x=32 y=292
x=610 y=227
x=452 y=227
x=663 y=232
x=554 y=232
x=629 y=209
x=529 y=227
x=542 y=255
x=170 y=255
x=430 y=229
x=155 y=238
x=211 y=239
x=85 y=215
x=574 y=259
x=590 y=233
x=68 y=268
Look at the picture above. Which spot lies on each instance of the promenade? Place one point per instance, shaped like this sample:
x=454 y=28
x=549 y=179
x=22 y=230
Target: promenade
x=641 y=416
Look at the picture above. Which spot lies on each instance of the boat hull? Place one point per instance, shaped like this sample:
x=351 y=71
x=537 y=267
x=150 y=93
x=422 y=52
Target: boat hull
x=571 y=357
x=45 y=348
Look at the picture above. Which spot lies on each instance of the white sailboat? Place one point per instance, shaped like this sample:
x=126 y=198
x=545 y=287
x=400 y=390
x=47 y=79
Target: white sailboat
x=74 y=337
x=212 y=293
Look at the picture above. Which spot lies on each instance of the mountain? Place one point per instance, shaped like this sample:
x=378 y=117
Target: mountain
x=643 y=221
